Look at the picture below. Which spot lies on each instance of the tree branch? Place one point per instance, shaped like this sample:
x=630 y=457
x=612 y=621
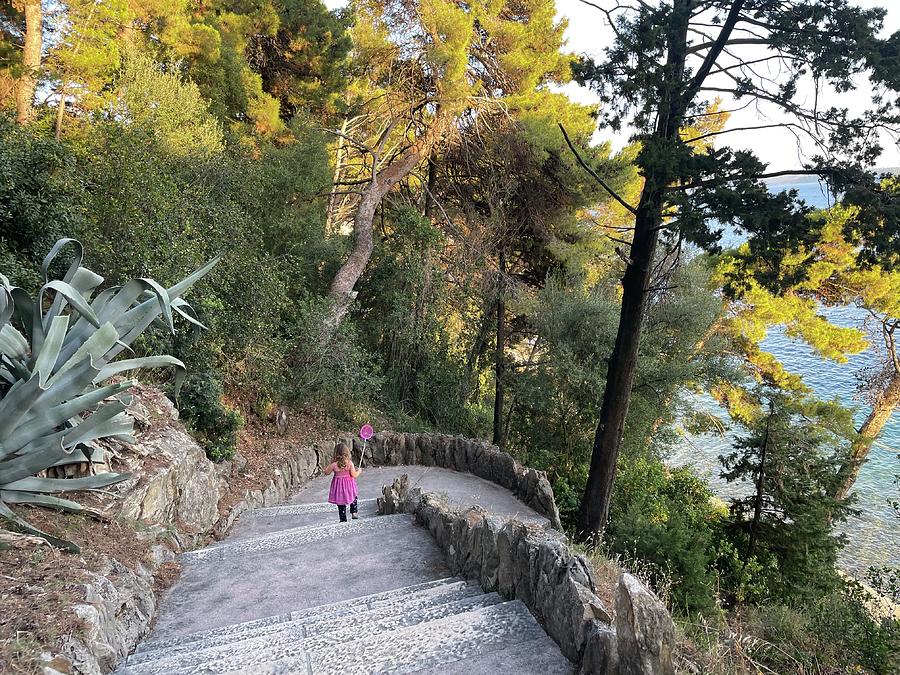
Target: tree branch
x=715 y=49
x=729 y=43
x=593 y=173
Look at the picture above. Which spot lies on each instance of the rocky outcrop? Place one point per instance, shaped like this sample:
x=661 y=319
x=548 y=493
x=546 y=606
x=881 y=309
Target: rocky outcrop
x=119 y=604
x=645 y=630
x=462 y=454
x=527 y=562
x=173 y=482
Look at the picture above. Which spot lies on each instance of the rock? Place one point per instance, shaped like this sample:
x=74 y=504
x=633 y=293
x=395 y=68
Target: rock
x=490 y=552
x=182 y=488
x=424 y=448
x=645 y=631
x=393 y=496
x=503 y=471
x=281 y=421
x=119 y=604
x=239 y=462
x=600 y=651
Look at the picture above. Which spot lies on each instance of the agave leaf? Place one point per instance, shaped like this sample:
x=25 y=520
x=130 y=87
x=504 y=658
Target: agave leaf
x=185 y=310
x=24 y=309
x=118 y=310
x=72 y=296
x=6 y=512
x=165 y=303
x=6 y=374
x=54 y=251
x=14 y=406
x=41 y=454
x=46 y=358
x=107 y=421
x=70 y=274
x=95 y=347
x=58 y=503
x=182 y=286
x=76 y=456
x=12 y=343
x=7 y=304
x=70 y=383
x=67 y=484
x=85 y=281
x=44 y=419
x=131 y=364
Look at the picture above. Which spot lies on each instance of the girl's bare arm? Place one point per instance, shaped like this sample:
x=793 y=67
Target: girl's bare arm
x=354 y=471
x=329 y=469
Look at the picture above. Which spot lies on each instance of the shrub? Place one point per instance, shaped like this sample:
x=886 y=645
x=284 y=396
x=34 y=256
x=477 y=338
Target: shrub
x=668 y=519
x=202 y=406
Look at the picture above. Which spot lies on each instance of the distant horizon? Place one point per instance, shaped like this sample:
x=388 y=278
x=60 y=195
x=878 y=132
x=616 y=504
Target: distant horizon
x=792 y=179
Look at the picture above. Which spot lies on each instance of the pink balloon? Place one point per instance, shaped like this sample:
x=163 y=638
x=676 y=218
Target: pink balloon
x=366 y=432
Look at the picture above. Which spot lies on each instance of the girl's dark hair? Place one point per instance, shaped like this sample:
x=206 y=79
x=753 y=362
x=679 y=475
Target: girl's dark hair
x=341 y=455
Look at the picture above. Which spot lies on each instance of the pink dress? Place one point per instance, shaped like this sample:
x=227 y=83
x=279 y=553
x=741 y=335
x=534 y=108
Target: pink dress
x=343 y=487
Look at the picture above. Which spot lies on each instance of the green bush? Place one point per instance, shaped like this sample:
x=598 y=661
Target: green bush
x=202 y=406
x=40 y=201
x=668 y=519
x=835 y=634
x=325 y=367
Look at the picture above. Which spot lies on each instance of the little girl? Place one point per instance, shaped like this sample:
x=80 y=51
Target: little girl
x=343 y=484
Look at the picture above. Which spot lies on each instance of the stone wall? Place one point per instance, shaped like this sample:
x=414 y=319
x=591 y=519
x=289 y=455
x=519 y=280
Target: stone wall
x=537 y=566
x=462 y=454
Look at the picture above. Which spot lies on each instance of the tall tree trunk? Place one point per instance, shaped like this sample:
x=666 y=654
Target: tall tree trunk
x=60 y=110
x=31 y=61
x=594 y=510
x=760 y=486
x=341 y=291
x=480 y=342
x=882 y=409
x=338 y=170
x=499 y=363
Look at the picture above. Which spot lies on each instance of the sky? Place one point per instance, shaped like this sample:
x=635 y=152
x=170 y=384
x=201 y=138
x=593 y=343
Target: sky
x=588 y=34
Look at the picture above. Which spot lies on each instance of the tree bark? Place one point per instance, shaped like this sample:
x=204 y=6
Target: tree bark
x=594 y=510
x=499 y=364
x=31 y=61
x=760 y=486
x=341 y=291
x=338 y=169
x=60 y=111
x=884 y=406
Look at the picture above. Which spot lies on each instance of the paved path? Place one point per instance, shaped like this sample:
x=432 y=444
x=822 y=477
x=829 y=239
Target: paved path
x=293 y=590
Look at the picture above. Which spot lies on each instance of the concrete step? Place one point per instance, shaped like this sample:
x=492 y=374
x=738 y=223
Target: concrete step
x=541 y=655
x=295 y=639
x=429 y=592
x=302 y=509
x=288 y=516
x=298 y=536
x=417 y=647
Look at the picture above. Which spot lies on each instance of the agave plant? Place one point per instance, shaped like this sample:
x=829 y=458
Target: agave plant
x=55 y=363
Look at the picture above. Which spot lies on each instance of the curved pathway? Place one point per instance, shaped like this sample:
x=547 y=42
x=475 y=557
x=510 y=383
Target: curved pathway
x=292 y=590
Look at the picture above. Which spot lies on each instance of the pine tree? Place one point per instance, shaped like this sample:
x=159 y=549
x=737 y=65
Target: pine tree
x=791 y=456
x=665 y=63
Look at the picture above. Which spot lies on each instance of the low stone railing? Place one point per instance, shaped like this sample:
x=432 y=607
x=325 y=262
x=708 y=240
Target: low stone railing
x=537 y=566
x=388 y=448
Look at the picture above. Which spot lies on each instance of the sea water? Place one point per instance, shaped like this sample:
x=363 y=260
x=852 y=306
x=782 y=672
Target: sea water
x=873 y=535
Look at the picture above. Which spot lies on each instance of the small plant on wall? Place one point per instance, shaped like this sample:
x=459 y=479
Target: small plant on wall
x=59 y=351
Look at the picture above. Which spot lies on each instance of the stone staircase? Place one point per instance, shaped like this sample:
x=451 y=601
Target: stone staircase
x=437 y=625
